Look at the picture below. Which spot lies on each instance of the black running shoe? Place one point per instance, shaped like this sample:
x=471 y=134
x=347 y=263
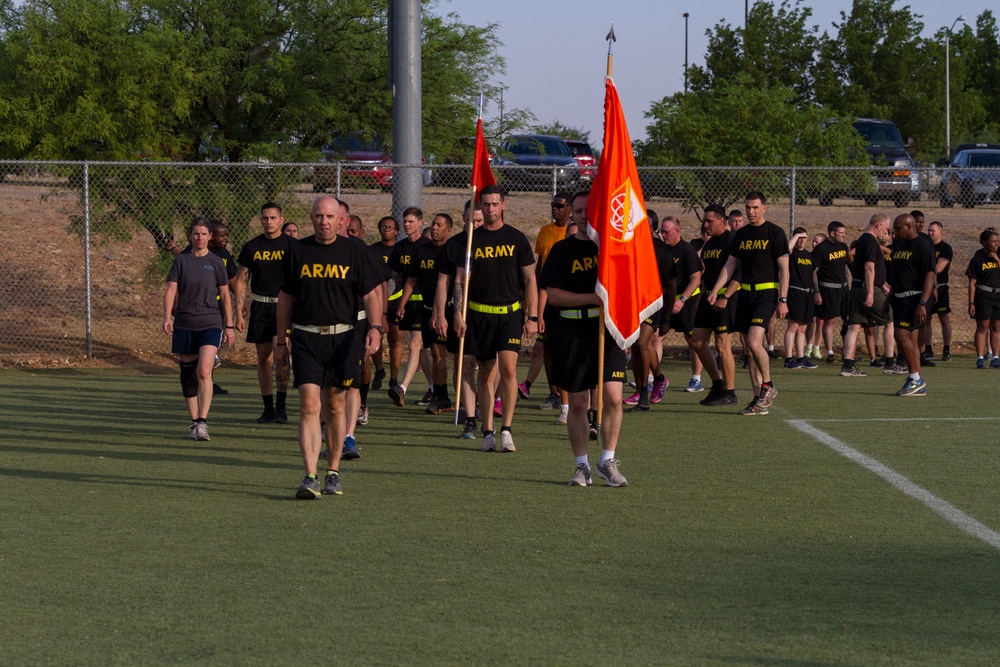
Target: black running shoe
x=377 y=380
x=266 y=417
x=280 y=416
x=218 y=390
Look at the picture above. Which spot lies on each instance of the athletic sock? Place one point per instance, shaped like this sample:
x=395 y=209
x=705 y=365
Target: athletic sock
x=282 y=395
x=848 y=363
x=890 y=361
x=607 y=455
x=505 y=428
x=914 y=376
x=801 y=359
x=928 y=349
x=201 y=420
x=660 y=378
x=402 y=388
x=693 y=377
x=527 y=384
x=583 y=459
x=764 y=386
x=268 y=402
x=331 y=470
x=947 y=348
x=365 y=386
x=444 y=392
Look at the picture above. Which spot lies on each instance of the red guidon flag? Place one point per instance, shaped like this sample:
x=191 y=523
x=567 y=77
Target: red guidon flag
x=482 y=174
x=627 y=278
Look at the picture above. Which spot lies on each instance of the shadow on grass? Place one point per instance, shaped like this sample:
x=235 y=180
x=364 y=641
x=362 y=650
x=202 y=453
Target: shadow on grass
x=150 y=457
x=77 y=477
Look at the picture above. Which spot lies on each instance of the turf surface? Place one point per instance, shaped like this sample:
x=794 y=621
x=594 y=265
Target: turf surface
x=739 y=541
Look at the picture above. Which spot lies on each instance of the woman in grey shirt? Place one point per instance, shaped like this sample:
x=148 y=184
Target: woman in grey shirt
x=198 y=315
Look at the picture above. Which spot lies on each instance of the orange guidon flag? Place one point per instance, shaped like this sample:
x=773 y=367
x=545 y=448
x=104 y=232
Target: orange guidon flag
x=482 y=174
x=627 y=277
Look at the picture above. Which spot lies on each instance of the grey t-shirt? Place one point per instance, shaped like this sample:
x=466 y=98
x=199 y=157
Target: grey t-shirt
x=198 y=280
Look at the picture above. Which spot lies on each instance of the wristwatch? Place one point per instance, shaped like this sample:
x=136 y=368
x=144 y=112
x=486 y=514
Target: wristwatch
x=783 y=299
x=532 y=318
x=682 y=298
x=921 y=303
x=377 y=327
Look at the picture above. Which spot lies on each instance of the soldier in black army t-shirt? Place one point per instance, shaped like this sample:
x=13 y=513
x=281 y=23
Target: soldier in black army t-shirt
x=831 y=282
x=716 y=316
x=760 y=251
x=502 y=264
x=401 y=261
x=984 y=295
x=570 y=276
x=325 y=280
x=943 y=255
x=422 y=278
x=260 y=265
x=912 y=282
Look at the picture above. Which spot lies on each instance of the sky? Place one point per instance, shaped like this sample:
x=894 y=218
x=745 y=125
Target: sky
x=556 y=54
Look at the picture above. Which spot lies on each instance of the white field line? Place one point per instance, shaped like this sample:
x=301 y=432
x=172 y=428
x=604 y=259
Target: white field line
x=942 y=508
x=910 y=419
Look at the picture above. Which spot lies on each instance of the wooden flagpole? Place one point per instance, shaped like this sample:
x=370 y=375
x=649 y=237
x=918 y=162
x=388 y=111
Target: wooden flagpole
x=611 y=39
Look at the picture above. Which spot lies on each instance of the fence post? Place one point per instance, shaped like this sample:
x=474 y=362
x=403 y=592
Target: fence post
x=89 y=337
x=338 y=181
x=555 y=180
x=791 y=216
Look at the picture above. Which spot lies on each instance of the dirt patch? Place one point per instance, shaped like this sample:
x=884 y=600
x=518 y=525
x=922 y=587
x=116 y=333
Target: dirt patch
x=42 y=270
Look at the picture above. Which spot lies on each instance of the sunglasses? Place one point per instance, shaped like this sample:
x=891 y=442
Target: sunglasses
x=555 y=205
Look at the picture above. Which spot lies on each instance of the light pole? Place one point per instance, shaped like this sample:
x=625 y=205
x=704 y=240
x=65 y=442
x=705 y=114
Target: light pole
x=685 y=52
x=947 y=86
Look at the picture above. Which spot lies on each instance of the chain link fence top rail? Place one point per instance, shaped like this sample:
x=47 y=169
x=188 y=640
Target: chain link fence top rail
x=85 y=251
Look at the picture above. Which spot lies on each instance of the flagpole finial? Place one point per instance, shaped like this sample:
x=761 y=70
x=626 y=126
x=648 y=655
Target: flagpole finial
x=611 y=39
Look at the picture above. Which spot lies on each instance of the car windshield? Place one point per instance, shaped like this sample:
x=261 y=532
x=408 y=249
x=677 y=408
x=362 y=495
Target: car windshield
x=355 y=143
x=984 y=160
x=879 y=134
x=529 y=146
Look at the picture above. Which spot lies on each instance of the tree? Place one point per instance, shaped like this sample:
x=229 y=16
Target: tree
x=777 y=48
x=556 y=128
x=737 y=123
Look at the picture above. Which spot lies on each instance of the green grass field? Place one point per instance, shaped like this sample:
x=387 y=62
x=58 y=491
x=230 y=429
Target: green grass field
x=739 y=541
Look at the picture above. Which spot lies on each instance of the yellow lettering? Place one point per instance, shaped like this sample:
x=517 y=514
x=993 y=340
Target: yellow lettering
x=405 y=259
x=489 y=252
x=712 y=254
x=617 y=375
x=427 y=264
x=513 y=341
x=268 y=255
x=324 y=271
x=754 y=244
x=989 y=265
x=902 y=254
x=805 y=261
x=837 y=255
x=589 y=262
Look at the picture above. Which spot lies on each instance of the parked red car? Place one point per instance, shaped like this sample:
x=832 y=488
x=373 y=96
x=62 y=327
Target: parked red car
x=584 y=156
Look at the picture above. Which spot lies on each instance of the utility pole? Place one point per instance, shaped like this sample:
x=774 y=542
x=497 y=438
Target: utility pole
x=407 y=140
x=686 y=51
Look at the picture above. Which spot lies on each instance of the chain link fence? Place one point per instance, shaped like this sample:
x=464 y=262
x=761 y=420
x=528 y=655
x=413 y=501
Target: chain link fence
x=85 y=251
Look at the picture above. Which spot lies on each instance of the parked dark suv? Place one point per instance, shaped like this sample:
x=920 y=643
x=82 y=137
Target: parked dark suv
x=543 y=152
x=973 y=178
x=894 y=176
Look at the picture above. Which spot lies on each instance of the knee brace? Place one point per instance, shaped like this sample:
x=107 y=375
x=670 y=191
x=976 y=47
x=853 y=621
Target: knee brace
x=189 y=378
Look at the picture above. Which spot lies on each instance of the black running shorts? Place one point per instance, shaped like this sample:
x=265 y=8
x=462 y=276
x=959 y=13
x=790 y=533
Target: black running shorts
x=836 y=302
x=263 y=326
x=328 y=360
x=412 y=315
x=719 y=321
x=754 y=309
x=683 y=321
x=801 y=306
x=487 y=334
x=574 y=359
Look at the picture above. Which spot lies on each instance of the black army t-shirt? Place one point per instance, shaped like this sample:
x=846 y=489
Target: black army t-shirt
x=984 y=269
x=404 y=255
x=758 y=248
x=328 y=281
x=829 y=259
x=943 y=250
x=867 y=249
x=686 y=262
x=912 y=260
x=714 y=255
x=262 y=257
x=571 y=266
x=800 y=269
x=497 y=258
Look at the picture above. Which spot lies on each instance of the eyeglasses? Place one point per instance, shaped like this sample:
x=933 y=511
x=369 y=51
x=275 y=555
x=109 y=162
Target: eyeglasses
x=555 y=205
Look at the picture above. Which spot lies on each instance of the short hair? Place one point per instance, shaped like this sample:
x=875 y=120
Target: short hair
x=759 y=196
x=200 y=222
x=357 y=218
x=799 y=230
x=917 y=214
x=670 y=218
x=834 y=226
x=468 y=205
x=447 y=219
x=492 y=190
x=983 y=238
x=936 y=223
x=820 y=235
x=389 y=218
x=285 y=226
x=577 y=195
x=344 y=204
x=562 y=194
x=735 y=213
x=268 y=205
x=654 y=219
x=878 y=219
x=218 y=226
x=414 y=211
x=717 y=210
